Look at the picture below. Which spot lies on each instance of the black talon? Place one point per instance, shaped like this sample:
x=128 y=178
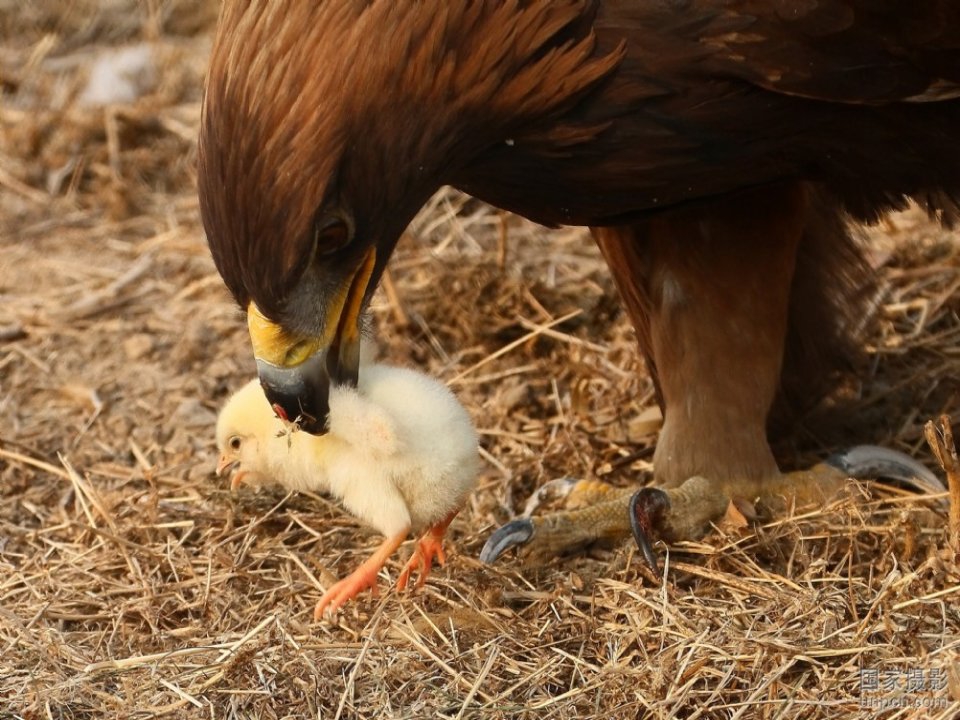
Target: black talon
x=872 y=461
x=515 y=532
x=645 y=508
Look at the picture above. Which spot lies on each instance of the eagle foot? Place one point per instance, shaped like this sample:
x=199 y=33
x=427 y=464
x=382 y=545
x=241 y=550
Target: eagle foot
x=595 y=511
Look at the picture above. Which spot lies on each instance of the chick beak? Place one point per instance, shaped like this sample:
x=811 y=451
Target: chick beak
x=228 y=464
x=297 y=372
x=237 y=480
x=225 y=463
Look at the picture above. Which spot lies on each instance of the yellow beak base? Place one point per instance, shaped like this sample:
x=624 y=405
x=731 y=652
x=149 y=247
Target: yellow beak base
x=274 y=345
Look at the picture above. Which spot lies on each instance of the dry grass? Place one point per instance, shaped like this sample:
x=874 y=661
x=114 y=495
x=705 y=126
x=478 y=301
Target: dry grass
x=133 y=584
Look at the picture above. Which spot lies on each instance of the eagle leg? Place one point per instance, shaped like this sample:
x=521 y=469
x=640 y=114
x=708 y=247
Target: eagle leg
x=732 y=301
x=602 y=513
x=708 y=289
x=575 y=494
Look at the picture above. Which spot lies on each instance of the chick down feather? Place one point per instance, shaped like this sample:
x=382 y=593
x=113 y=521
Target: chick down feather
x=401 y=451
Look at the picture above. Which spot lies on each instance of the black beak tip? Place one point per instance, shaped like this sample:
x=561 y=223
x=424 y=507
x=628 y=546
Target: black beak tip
x=290 y=409
x=299 y=395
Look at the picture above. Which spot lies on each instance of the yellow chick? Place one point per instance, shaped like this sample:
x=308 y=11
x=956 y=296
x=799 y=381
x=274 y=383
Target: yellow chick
x=401 y=454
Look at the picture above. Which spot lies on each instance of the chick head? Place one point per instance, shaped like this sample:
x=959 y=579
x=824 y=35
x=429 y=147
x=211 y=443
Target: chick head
x=244 y=426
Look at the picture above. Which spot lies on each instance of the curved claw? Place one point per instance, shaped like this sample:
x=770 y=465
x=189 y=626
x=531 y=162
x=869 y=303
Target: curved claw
x=515 y=532
x=873 y=461
x=646 y=507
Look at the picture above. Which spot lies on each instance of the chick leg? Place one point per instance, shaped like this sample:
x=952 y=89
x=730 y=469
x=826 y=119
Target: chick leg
x=429 y=546
x=360 y=579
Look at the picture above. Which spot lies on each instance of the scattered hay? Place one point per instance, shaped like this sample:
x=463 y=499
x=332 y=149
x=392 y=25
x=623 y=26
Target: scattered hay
x=132 y=584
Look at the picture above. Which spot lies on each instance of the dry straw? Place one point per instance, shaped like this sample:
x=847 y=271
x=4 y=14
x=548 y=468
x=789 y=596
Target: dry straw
x=133 y=585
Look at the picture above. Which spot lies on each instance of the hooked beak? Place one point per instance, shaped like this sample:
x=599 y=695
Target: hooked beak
x=297 y=372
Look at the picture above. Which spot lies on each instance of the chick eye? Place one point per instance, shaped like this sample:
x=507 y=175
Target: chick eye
x=234 y=442
x=332 y=232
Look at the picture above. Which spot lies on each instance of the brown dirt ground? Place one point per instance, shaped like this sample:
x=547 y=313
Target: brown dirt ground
x=134 y=584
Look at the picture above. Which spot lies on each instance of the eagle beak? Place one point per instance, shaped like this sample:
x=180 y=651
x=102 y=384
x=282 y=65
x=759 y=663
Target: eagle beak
x=297 y=372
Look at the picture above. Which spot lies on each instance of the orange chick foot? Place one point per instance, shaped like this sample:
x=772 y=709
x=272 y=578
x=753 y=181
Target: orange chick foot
x=346 y=589
x=359 y=580
x=429 y=547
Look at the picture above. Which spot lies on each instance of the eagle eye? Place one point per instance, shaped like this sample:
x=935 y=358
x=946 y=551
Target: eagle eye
x=332 y=232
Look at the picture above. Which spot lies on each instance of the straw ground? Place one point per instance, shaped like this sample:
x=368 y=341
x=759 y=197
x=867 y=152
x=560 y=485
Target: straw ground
x=133 y=584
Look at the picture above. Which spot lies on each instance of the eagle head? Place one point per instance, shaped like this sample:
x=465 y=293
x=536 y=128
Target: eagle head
x=327 y=124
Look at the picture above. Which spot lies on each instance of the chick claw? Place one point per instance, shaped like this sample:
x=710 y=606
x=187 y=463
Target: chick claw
x=428 y=548
x=347 y=589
